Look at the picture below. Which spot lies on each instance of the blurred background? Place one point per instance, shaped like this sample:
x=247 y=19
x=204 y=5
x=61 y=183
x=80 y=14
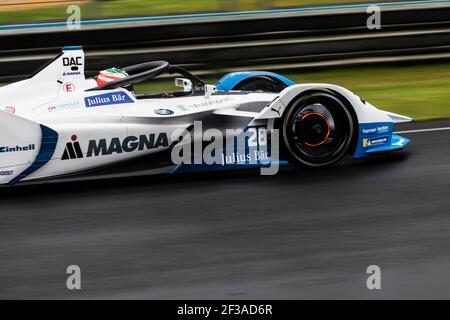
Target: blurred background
x=299 y=234
x=320 y=41
x=33 y=10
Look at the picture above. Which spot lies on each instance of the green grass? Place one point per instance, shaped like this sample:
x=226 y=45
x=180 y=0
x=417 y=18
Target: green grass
x=153 y=7
x=421 y=91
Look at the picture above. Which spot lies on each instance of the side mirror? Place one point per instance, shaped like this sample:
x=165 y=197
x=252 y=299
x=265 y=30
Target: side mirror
x=186 y=84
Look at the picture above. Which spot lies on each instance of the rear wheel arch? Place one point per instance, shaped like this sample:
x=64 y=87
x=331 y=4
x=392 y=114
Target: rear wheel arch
x=261 y=83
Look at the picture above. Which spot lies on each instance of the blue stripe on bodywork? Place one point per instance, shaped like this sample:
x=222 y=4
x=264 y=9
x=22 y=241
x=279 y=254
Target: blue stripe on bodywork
x=368 y=131
x=231 y=80
x=48 y=145
x=72 y=48
x=378 y=137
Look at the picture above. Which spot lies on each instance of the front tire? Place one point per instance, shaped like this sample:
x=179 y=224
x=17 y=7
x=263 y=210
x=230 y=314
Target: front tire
x=317 y=129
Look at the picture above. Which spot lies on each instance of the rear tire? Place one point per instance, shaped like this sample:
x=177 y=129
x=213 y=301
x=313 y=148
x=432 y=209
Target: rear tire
x=317 y=129
x=262 y=84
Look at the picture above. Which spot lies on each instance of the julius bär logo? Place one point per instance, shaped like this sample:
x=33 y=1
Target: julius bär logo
x=73 y=149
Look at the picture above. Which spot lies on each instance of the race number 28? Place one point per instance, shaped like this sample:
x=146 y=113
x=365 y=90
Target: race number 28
x=257 y=136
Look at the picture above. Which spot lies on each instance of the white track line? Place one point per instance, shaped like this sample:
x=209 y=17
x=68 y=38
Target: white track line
x=424 y=130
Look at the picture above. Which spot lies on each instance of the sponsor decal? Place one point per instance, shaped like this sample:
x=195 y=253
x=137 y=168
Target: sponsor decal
x=375 y=141
x=204 y=104
x=76 y=73
x=64 y=106
x=73 y=149
x=68 y=87
x=163 y=112
x=103 y=147
x=5 y=149
x=107 y=99
x=377 y=130
x=242 y=158
x=276 y=110
x=6 y=173
x=73 y=63
x=373 y=134
x=10 y=109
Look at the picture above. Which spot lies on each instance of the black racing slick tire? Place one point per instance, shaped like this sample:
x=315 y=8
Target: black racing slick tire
x=317 y=129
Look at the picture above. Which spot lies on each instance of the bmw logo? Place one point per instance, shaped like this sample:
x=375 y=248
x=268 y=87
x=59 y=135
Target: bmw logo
x=163 y=112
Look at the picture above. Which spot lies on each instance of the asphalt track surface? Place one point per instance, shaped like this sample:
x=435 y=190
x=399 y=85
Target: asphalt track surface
x=238 y=235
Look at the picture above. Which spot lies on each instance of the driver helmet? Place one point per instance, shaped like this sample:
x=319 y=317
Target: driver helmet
x=109 y=75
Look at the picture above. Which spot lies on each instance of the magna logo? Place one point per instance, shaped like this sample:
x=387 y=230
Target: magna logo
x=102 y=147
x=73 y=149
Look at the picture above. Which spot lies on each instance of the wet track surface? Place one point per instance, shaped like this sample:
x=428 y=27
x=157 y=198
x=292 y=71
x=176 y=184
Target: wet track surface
x=238 y=235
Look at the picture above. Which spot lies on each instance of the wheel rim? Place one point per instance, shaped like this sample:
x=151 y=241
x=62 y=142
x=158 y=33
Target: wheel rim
x=312 y=129
x=318 y=130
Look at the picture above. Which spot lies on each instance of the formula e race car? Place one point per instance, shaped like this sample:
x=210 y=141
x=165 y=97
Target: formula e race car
x=59 y=125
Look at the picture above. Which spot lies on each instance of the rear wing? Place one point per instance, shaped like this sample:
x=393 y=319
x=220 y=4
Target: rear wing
x=64 y=75
x=67 y=67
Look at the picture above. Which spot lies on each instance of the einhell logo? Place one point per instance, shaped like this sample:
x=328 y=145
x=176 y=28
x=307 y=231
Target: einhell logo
x=73 y=149
x=4 y=149
x=103 y=147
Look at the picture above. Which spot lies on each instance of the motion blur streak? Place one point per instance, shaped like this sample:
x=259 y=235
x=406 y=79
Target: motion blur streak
x=299 y=234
